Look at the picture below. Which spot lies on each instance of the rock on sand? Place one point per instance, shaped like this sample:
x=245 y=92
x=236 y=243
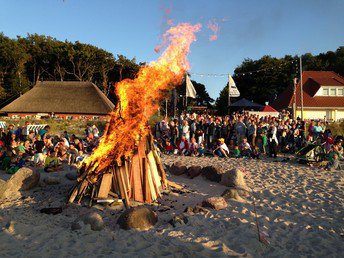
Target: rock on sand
x=140 y=217
x=216 y=203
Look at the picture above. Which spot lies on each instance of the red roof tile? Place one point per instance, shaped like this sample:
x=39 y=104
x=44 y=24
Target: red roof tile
x=268 y=108
x=312 y=81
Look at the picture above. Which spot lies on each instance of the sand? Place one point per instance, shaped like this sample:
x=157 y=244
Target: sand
x=300 y=210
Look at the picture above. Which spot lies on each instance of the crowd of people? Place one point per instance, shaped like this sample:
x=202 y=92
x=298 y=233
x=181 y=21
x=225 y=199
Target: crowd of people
x=20 y=146
x=242 y=135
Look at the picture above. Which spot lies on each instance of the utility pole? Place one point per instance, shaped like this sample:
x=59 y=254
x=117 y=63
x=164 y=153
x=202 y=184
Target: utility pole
x=301 y=88
x=294 y=94
x=229 y=97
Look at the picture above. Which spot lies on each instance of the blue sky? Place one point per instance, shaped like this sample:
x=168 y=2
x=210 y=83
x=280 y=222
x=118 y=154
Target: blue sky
x=248 y=29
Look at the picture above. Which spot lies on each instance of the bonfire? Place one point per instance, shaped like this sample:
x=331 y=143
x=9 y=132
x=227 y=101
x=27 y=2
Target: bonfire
x=126 y=164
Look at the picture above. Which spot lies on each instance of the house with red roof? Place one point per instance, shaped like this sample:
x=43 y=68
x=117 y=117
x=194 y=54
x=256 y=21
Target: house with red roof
x=323 y=96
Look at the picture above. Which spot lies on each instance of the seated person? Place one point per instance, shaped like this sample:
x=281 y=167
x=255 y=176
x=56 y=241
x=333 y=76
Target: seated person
x=21 y=148
x=201 y=150
x=237 y=153
x=182 y=146
x=221 y=150
x=168 y=148
x=193 y=146
x=52 y=163
x=231 y=147
x=6 y=160
x=72 y=153
x=256 y=153
x=246 y=150
x=333 y=164
x=14 y=166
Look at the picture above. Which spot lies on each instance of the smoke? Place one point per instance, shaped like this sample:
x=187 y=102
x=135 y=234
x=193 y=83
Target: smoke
x=215 y=28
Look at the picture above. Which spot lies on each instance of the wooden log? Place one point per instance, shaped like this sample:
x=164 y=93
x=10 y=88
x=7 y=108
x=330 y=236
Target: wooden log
x=151 y=186
x=124 y=192
x=74 y=193
x=174 y=185
x=146 y=188
x=137 y=180
x=154 y=171
x=105 y=186
x=160 y=169
x=82 y=190
x=92 y=194
x=115 y=186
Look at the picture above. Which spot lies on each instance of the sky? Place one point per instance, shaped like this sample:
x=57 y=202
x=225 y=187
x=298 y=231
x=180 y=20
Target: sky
x=232 y=30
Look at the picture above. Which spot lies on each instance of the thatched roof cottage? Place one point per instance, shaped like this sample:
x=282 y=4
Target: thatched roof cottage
x=67 y=99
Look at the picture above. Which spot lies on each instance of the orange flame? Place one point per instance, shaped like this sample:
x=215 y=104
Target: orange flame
x=138 y=98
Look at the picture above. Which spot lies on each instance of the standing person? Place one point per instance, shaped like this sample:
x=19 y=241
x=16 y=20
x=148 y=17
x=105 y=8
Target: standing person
x=38 y=148
x=252 y=133
x=186 y=130
x=240 y=130
x=272 y=140
x=95 y=131
x=174 y=132
x=8 y=137
x=44 y=131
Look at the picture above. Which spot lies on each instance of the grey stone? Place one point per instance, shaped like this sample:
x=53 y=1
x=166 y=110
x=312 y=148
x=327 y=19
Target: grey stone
x=179 y=219
x=24 y=179
x=51 y=180
x=235 y=178
x=196 y=209
x=212 y=173
x=72 y=176
x=178 y=169
x=140 y=217
x=216 y=203
x=194 y=171
x=76 y=225
x=95 y=220
x=231 y=193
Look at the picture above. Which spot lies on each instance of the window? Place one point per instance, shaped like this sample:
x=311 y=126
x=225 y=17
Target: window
x=340 y=91
x=333 y=92
x=325 y=92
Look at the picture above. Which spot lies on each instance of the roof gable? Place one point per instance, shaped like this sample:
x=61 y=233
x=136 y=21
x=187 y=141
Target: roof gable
x=312 y=81
x=62 y=97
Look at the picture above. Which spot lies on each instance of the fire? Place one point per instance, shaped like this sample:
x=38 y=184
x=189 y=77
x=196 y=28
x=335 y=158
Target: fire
x=139 y=98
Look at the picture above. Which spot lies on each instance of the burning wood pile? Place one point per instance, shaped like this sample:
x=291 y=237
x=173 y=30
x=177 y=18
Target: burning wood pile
x=125 y=164
x=140 y=177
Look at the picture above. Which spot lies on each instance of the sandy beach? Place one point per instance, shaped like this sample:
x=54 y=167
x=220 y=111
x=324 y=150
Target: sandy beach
x=300 y=210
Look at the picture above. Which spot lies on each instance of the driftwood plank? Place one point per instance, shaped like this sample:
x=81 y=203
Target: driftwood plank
x=105 y=186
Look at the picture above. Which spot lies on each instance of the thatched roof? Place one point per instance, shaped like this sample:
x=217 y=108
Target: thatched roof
x=62 y=97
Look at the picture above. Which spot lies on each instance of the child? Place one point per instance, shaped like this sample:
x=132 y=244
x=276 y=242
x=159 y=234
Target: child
x=246 y=150
x=193 y=147
x=13 y=168
x=21 y=148
x=168 y=148
x=236 y=152
x=333 y=164
x=80 y=157
x=201 y=150
x=256 y=153
x=72 y=153
x=52 y=163
x=231 y=148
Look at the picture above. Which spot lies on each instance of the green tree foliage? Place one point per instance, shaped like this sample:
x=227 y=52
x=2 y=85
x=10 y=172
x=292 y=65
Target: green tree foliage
x=26 y=60
x=275 y=74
